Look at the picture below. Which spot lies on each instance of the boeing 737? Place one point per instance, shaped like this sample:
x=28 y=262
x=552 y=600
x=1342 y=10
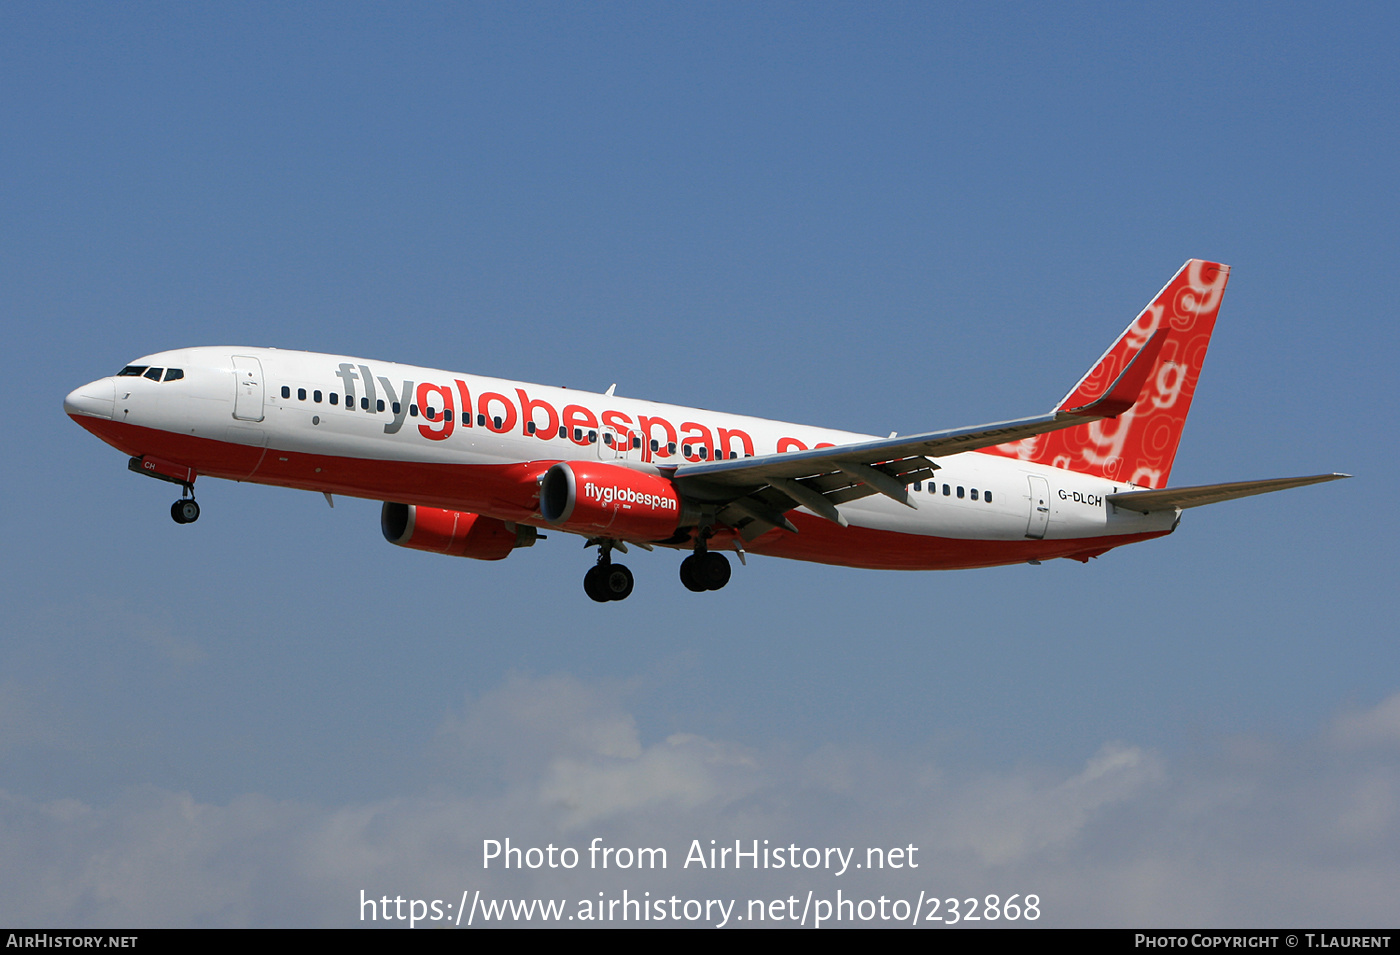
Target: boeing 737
x=476 y=467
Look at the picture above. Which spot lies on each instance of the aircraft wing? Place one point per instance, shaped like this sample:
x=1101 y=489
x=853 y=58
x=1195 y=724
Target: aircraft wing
x=752 y=494
x=1168 y=498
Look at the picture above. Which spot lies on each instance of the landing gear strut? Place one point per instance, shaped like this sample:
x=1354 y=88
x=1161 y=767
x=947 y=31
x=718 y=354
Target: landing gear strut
x=186 y=509
x=606 y=580
x=704 y=569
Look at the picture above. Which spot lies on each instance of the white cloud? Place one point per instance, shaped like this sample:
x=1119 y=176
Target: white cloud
x=1012 y=818
x=1299 y=834
x=683 y=773
x=1379 y=726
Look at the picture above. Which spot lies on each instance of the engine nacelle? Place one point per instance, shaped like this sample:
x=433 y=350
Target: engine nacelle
x=595 y=499
x=456 y=533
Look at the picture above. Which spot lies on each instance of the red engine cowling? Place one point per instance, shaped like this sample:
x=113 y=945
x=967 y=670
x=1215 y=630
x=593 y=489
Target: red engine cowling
x=456 y=533
x=584 y=497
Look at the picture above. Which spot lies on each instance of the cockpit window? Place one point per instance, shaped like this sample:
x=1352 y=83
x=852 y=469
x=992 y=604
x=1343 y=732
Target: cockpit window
x=151 y=372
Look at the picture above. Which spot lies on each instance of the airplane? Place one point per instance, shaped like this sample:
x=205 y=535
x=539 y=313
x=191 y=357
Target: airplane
x=477 y=467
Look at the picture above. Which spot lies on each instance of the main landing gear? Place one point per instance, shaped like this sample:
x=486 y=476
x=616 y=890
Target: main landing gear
x=186 y=509
x=606 y=580
x=704 y=570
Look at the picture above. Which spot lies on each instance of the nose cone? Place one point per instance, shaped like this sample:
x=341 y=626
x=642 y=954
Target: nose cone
x=96 y=399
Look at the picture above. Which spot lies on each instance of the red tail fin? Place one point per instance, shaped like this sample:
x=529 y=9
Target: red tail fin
x=1139 y=445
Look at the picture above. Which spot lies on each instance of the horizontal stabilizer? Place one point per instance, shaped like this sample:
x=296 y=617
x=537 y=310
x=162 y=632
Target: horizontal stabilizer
x=1168 y=498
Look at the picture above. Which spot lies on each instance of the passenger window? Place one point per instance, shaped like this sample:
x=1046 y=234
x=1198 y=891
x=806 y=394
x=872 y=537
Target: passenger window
x=974 y=494
x=704 y=453
x=364 y=404
x=987 y=496
x=918 y=485
x=174 y=374
x=671 y=448
x=413 y=411
x=349 y=402
x=379 y=405
x=153 y=373
x=563 y=432
x=636 y=441
x=496 y=422
x=335 y=397
x=301 y=394
x=960 y=492
x=529 y=427
x=286 y=392
x=685 y=449
x=655 y=445
x=481 y=421
x=447 y=414
x=316 y=396
x=947 y=490
x=397 y=409
x=592 y=437
x=607 y=439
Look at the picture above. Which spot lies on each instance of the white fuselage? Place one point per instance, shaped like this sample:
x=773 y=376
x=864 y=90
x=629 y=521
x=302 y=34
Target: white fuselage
x=423 y=436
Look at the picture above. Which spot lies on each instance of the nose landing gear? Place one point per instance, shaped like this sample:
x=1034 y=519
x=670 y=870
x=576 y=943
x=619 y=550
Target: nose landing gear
x=186 y=509
x=183 y=511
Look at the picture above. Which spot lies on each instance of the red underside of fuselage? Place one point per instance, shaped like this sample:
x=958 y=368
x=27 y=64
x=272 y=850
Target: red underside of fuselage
x=509 y=492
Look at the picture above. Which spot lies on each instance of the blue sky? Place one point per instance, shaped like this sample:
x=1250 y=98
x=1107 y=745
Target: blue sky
x=891 y=218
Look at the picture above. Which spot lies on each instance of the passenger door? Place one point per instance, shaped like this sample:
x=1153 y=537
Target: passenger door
x=1040 y=506
x=248 y=394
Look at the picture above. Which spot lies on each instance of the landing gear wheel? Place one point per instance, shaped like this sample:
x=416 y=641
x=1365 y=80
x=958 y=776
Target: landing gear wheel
x=607 y=581
x=185 y=511
x=705 y=570
x=689 y=577
x=594 y=585
x=617 y=581
x=715 y=571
